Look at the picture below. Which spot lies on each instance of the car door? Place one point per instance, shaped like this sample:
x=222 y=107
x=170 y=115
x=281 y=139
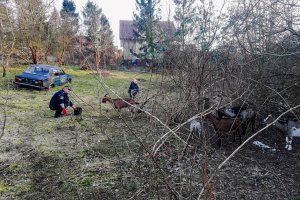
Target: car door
x=56 y=77
x=63 y=77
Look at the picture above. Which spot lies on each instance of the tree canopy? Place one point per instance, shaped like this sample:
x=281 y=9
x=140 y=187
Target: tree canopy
x=146 y=21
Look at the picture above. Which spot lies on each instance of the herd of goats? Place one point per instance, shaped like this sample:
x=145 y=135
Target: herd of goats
x=233 y=119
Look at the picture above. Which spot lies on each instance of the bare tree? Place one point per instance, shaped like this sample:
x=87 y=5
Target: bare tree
x=31 y=16
x=7 y=35
x=266 y=45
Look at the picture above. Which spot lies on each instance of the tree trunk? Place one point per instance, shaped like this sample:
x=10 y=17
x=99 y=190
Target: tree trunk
x=3 y=67
x=34 y=54
x=61 y=58
x=4 y=71
x=97 y=60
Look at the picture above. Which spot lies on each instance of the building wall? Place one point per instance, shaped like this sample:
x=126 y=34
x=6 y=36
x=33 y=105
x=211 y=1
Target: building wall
x=127 y=45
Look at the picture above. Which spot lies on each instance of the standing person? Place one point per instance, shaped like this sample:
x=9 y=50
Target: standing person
x=133 y=88
x=60 y=101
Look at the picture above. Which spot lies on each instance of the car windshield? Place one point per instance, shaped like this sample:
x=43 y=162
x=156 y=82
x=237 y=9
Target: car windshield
x=37 y=70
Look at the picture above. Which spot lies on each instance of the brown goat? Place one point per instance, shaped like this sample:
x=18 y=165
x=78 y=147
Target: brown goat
x=226 y=125
x=247 y=115
x=120 y=103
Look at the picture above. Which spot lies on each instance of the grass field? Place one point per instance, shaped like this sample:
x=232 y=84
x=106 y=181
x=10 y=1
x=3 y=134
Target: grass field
x=42 y=157
x=109 y=155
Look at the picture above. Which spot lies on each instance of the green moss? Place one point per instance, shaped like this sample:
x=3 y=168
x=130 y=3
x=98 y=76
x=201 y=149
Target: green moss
x=86 y=181
x=24 y=187
x=82 y=181
x=46 y=147
x=109 y=178
x=18 y=141
x=14 y=166
x=295 y=197
x=83 y=152
x=3 y=187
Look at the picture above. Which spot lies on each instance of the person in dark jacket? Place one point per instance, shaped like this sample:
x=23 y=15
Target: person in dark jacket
x=133 y=88
x=60 y=101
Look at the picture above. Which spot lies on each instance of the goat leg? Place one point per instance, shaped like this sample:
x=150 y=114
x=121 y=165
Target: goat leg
x=234 y=136
x=286 y=142
x=220 y=139
x=289 y=143
x=199 y=133
x=240 y=130
x=244 y=126
x=253 y=125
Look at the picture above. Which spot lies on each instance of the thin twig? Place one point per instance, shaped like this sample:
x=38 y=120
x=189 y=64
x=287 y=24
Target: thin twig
x=239 y=147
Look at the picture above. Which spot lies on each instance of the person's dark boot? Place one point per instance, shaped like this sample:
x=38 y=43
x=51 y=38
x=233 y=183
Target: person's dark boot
x=57 y=114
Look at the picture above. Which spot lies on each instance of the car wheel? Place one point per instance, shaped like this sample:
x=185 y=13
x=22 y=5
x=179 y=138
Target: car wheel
x=70 y=80
x=51 y=86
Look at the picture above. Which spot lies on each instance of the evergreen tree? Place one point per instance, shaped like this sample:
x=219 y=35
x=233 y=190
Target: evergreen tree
x=99 y=31
x=70 y=19
x=53 y=32
x=91 y=15
x=146 y=26
x=185 y=14
x=107 y=39
x=69 y=28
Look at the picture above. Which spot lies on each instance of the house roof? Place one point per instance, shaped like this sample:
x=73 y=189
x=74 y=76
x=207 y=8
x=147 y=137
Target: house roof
x=126 y=30
x=127 y=27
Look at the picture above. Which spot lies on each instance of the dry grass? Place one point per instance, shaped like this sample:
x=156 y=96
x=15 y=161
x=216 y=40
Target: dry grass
x=108 y=154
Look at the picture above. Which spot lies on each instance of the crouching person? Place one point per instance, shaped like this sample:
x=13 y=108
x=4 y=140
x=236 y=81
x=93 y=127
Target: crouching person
x=60 y=101
x=133 y=88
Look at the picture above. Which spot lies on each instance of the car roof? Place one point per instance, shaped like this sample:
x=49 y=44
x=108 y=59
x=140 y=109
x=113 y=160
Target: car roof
x=45 y=66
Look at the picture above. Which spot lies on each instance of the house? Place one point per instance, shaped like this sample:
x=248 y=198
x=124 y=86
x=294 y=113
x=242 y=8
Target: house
x=130 y=44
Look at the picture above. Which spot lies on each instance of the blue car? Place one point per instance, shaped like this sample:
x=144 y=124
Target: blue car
x=42 y=76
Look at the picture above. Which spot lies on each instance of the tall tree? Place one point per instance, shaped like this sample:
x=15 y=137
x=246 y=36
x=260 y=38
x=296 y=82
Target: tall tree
x=99 y=32
x=31 y=15
x=53 y=30
x=146 y=25
x=7 y=35
x=106 y=39
x=69 y=27
x=185 y=16
x=91 y=15
x=258 y=24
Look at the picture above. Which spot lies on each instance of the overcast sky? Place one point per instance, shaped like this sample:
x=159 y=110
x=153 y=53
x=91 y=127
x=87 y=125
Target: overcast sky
x=115 y=10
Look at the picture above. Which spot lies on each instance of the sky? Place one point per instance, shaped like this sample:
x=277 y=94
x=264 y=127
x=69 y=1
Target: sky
x=116 y=10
